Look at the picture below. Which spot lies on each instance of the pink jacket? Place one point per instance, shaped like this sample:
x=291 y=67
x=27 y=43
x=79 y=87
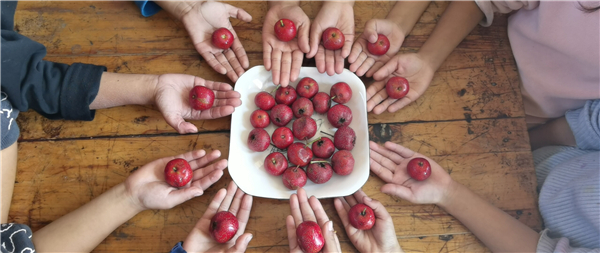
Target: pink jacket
x=556 y=47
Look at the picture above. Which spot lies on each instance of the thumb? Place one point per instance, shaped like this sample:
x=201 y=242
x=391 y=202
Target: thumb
x=177 y=197
x=332 y=244
x=315 y=38
x=398 y=191
x=238 y=13
x=370 y=32
x=180 y=125
x=241 y=243
x=378 y=208
x=386 y=70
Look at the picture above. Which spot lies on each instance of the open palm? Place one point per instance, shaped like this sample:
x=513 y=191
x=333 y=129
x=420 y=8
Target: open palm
x=172 y=99
x=202 y=21
x=410 y=66
x=284 y=59
x=389 y=163
x=361 y=60
x=236 y=202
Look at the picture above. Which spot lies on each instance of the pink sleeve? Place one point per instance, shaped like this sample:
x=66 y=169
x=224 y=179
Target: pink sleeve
x=490 y=7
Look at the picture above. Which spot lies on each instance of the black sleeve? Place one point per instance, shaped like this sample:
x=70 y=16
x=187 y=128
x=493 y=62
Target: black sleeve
x=55 y=90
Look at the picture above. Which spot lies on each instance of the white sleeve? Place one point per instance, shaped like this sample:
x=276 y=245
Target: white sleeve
x=490 y=7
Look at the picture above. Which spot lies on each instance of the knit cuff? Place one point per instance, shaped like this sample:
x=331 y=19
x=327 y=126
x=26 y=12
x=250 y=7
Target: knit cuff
x=148 y=8
x=80 y=87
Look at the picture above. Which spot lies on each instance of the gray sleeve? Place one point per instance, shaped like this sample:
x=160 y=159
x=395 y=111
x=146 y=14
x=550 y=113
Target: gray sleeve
x=585 y=124
x=547 y=244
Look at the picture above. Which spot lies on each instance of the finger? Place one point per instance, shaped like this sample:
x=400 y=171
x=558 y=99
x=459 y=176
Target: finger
x=331 y=242
x=224 y=95
x=386 y=70
x=179 y=124
x=238 y=13
x=399 y=104
x=398 y=191
x=371 y=31
x=243 y=215
x=212 y=208
x=339 y=62
x=382 y=172
x=383 y=106
x=208 y=180
x=355 y=52
x=286 y=66
x=201 y=161
x=192 y=156
x=399 y=149
x=179 y=196
x=359 y=195
x=305 y=208
x=276 y=65
x=381 y=96
x=378 y=208
x=241 y=243
x=231 y=190
x=295 y=209
x=379 y=151
x=267 y=55
x=330 y=62
x=315 y=37
x=217 y=87
x=342 y=210
x=297 y=57
x=318 y=210
x=214 y=63
x=303 y=30
x=216 y=112
x=374 y=68
x=237 y=201
x=359 y=61
x=347 y=45
x=291 y=231
x=224 y=62
x=365 y=66
x=234 y=62
x=320 y=59
x=351 y=200
x=240 y=53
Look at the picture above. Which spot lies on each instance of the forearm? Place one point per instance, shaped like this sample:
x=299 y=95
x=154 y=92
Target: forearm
x=456 y=23
x=273 y=3
x=405 y=14
x=8 y=157
x=177 y=8
x=83 y=229
x=125 y=89
x=496 y=229
x=328 y=4
x=555 y=132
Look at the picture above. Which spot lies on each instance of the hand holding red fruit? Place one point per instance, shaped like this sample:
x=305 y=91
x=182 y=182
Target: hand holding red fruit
x=339 y=15
x=390 y=163
x=410 y=66
x=178 y=172
x=285 y=30
x=202 y=20
x=148 y=187
x=362 y=60
x=381 y=237
x=170 y=89
x=306 y=238
x=284 y=58
x=232 y=201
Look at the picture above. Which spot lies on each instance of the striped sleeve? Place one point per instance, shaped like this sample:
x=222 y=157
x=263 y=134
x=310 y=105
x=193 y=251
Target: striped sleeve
x=585 y=124
x=547 y=244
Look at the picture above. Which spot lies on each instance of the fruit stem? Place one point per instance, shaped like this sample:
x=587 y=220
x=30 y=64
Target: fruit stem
x=364 y=212
x=279 y=85
x=326 y=133
x=310 y=143
x=281 y=21
x=319 y=162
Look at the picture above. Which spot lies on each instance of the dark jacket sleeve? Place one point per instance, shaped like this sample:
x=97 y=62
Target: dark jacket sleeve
x=55 y=90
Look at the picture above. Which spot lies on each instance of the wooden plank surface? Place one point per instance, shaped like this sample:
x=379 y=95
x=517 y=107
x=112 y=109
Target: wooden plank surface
x=470 y=120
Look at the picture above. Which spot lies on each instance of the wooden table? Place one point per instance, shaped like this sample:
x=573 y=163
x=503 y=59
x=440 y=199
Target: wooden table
x=470 y=120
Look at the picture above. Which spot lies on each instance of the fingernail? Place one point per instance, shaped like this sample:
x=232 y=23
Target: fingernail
x=330 y=226
x=368 y=199
x=249 y=239
x=198 y=194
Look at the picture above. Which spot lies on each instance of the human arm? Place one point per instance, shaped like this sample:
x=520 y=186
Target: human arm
x=201 y=19
x=304 y=209
x=555 y=132
x=284 y=59
x=380 y=238
x=396 y=26
x=236 y=202
x=332 y=14
x=83 y=229
x=456 y=23
x=496 y=229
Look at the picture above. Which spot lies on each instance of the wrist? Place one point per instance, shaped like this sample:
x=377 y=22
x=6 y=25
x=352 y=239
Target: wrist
x=336 y=4
x=123 y=196
x=178 y=9
x=283 y=3
x=452 y=190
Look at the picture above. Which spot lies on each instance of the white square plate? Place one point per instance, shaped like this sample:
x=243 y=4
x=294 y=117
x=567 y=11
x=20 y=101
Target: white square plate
x=246 y=166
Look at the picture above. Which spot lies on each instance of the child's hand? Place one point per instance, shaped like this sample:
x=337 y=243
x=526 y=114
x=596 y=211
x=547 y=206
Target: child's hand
x=332 y=14
x=380 y=238
x=361 y=61
x=172 y=99
x=284 y=59
x=236 y=202
x=202 y=20
x=410 y=66
x=389 y=163
x=304 y=209
x=148 y=189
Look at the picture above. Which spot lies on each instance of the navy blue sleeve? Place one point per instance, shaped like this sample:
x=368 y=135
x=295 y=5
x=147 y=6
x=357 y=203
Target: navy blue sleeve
x=16 y=238
x=55 y=90
x=178 y=248
x=148 y=8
